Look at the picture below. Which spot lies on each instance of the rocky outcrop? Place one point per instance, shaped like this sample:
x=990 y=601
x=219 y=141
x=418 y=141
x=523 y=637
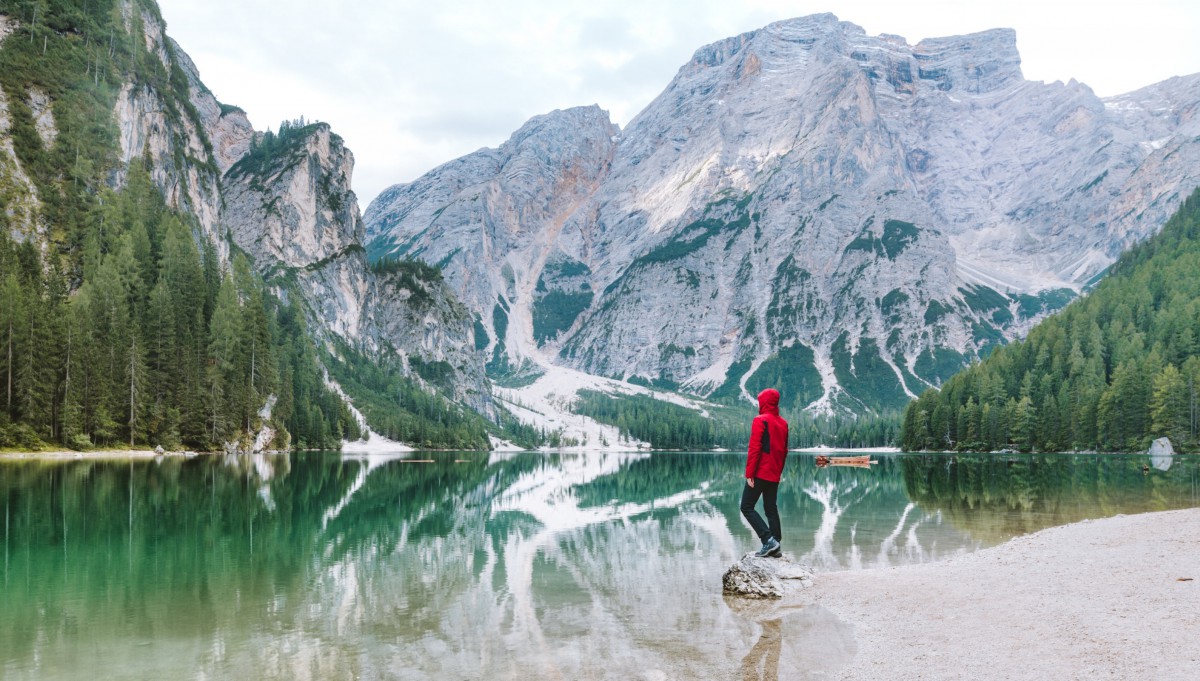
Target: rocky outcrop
x=755 y=577
x=294 y=208
x=494 y=222
x=166 y=127
x=1161 y=453
x=18 y=194
x=43 y=116
x=1161 y=447
x=852 y=213
x=229 y=131
x=294 y=214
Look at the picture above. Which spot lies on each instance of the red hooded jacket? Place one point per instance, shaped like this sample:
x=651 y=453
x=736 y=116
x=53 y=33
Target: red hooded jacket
x=768 y=448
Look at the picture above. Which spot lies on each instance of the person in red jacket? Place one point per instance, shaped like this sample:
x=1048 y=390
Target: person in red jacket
x=765 y=458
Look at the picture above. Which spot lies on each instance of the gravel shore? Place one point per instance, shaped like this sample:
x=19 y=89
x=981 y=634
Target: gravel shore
x=1117 y=598
x=95 y=455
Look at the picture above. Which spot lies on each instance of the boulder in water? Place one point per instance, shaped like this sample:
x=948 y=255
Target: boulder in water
x=1160 y=453
x=1161 y=447
x=755 y=577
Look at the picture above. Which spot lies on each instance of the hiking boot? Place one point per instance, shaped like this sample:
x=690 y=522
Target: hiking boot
x=777 y=552
x=769 y=547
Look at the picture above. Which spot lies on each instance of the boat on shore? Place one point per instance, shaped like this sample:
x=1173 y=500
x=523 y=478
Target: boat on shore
x=863 y=461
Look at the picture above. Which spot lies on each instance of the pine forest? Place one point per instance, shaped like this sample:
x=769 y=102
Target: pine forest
x=1111 y=372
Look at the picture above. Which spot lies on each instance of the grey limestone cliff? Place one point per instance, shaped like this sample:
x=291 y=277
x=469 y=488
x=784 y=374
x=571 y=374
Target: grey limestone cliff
x=496 y=223
x=851 y=215
x=294 y=214
x=173 y=130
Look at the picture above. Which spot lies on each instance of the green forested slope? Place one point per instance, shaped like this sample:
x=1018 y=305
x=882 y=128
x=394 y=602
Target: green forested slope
x=156 y=346
x=117 y=323
x=78 y=53
x=671 y=426
x=1110 y=372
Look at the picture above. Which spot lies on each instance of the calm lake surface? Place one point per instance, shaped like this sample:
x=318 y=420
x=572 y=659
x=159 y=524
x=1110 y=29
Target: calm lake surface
x=476 y=565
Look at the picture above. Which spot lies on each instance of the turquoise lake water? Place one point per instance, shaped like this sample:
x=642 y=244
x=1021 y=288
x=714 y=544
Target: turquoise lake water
x=477 y=565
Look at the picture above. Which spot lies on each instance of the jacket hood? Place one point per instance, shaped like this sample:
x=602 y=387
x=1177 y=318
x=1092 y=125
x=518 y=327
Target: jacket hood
x=768 y=402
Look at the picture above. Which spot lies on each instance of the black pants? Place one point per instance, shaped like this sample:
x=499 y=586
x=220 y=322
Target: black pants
x=767 y=490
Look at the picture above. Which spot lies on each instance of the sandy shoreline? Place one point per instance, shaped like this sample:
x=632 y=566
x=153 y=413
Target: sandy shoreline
x=99 y=454
x=1095 y=599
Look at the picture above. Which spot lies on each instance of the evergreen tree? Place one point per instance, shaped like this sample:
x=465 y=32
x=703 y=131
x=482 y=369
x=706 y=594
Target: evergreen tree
x=11 y=323
x=1111 y=371
x=224 y=348
x=1169 y=415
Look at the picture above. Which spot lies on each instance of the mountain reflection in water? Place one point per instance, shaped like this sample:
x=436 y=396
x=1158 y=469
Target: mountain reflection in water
x=601 y=565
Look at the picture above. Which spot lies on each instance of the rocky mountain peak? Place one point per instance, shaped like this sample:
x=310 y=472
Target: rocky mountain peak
x=563 y=126
x=288 y=201
x=566 y=143
x=804 y=203
x=976 y=63
x=228 y=127
x=805 y=31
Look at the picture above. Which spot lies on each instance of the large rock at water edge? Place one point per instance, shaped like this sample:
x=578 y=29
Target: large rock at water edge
x=755 y=577
x=1161 y=447
x=1160 y=453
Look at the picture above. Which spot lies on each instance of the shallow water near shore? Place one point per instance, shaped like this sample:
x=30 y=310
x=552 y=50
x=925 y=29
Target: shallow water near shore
x=477 y=565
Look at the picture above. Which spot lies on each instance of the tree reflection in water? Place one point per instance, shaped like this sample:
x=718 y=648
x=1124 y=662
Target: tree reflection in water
x=595 y=565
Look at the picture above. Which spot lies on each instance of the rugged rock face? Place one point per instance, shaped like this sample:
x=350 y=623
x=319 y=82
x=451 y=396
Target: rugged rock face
x=43 y=116
x=295 y=209
x=1160 y=453
x=849 y=216
x=295 y=215
x=229 y=131
x=755 y=577
x=18 y=194
x=166 y=126
x=494 y=222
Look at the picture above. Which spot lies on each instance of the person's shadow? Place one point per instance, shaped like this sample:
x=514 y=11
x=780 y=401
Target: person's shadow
x=762 y=662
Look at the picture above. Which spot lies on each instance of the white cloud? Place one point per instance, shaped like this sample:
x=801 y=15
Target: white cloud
x=410 y=85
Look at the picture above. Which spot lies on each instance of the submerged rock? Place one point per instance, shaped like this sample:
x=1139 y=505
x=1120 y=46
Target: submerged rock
x=754 y=577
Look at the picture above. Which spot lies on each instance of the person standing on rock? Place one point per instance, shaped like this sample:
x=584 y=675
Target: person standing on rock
x=765 y=458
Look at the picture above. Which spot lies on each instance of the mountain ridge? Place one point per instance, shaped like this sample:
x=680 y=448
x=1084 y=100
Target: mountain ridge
x=892 y=210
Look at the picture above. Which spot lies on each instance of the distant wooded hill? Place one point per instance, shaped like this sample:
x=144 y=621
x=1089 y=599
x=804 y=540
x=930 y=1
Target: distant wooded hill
x=1111 y=372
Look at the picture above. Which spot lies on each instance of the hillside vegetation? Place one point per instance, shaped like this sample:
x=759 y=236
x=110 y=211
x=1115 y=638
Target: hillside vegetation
x=671 y=426
x=120 y=323
x=157 y=346
x=1110 y=372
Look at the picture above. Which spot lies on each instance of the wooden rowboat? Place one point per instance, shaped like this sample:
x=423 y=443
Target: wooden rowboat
x=863 y=461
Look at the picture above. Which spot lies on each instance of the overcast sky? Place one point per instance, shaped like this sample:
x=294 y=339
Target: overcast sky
x=412 y=84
